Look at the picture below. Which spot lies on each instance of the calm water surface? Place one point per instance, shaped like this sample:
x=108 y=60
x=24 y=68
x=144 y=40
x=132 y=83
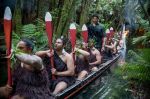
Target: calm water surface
x=107 y=86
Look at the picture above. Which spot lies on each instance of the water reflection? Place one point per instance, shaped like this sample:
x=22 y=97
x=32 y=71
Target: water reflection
x=108 y=86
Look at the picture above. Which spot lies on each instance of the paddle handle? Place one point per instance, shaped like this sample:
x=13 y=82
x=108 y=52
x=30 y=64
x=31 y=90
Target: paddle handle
x=7 y=30
x=52 y=64
x=9 y=81
x=85 y=36
x=50 y=36
x=73 y=55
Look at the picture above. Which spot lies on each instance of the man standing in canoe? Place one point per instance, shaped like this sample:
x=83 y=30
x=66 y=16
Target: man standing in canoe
x=96 y=31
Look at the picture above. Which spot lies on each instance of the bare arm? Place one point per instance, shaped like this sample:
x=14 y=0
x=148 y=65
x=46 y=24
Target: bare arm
x=83 y=52
x=115 y=47
x=110 y=46
x=98 y=58
x=103 y=44
x=70 y=67
x=42 y=53
x=32 y=60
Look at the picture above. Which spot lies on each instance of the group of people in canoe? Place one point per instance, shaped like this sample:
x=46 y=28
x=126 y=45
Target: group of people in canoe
x=35 y=76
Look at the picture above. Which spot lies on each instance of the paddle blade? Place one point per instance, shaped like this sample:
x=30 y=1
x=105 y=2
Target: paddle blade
x=111 y=32
x=73 y=35
x=7 y=29
x=107 y=34
x=84 y=33
x=49 y=31
x=8 y=39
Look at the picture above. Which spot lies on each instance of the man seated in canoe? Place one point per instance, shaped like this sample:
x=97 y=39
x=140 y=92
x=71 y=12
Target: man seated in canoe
x=81 y=62
x=110 y=48
x=30 y=77
x=94 y=58
x=63 y=69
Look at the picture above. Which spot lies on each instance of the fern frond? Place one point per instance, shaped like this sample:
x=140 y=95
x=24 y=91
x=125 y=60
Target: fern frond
x=138 y=39
x=28 y=29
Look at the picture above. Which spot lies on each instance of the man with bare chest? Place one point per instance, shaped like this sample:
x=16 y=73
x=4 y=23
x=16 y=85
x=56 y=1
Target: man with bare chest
x=63 y=66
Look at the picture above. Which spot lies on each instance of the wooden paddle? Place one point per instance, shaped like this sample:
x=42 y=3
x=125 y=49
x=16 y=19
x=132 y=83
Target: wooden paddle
x=108 y=34
x=49 y=31
x=72 y=31
x=111 y=32
x=8 y=40
x=84 y=33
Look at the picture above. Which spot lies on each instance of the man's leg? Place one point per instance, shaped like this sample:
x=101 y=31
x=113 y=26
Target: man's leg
x=95 y=69
x=82 y=75
x=60 y=87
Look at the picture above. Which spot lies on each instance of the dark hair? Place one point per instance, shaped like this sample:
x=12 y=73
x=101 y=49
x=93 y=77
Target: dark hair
x=64 y=40
x=68 y=46
x=95 y=15
x=29 y=43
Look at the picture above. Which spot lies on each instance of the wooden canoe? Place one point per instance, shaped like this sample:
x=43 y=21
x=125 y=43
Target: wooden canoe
x=78 y=86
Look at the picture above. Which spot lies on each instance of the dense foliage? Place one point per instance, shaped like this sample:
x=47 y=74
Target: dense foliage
x=28 y=21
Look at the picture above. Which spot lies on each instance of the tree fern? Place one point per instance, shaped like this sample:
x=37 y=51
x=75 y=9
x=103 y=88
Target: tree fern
x=142 y=39
x=138 y=66
x=28 y=30
x=35 y=32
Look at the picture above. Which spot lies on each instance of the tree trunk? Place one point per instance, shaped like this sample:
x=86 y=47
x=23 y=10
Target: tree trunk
x=57 y=15
x=83 y=12
x=37 y=12
x=28 y=11
x=17 y=24
x=70 y=18
x=85 y=9
x=64 y=16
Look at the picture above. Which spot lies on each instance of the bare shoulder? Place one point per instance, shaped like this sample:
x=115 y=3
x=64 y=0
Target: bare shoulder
x=96 y=51
x=36 y=57
x=68 y=55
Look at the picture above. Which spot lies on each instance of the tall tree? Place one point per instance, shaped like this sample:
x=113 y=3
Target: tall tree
x=28 y=11
x=17 y=19
x=85 y=10
x=65 y=16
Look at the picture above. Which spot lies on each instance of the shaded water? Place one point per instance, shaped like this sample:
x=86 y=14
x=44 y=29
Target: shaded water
x=108 y=86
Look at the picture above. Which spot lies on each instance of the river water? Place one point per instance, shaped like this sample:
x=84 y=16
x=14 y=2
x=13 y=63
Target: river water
x=107 y=86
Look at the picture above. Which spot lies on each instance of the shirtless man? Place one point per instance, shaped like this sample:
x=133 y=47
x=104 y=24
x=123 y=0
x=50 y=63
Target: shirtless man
x=63 y=66
x=30 y=78
x=111 y=47
x=94 y=57
x=81 y=62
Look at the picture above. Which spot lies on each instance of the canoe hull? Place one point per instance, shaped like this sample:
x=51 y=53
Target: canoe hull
x=77 y=87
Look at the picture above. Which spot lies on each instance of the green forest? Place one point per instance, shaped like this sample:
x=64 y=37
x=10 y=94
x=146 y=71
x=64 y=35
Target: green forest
x=133 y=77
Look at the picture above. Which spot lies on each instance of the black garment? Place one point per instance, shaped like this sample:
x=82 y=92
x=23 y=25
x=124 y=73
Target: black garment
x=107 y=54
x=97 y=33
x=81 y=64
x=91 y=59
x=31 y=84
x=60 y=66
